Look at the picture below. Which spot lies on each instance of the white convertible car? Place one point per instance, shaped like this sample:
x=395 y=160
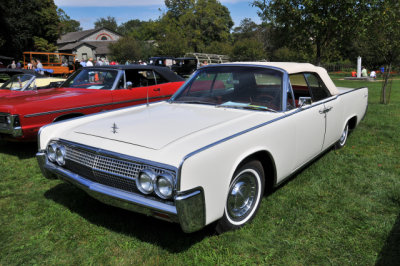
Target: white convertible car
x=207 y=154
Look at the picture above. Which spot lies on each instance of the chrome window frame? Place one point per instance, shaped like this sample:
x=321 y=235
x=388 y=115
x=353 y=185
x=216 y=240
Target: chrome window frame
x=29 y=82
x=120 y=72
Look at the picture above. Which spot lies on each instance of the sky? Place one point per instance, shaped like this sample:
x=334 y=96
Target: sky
x=88 y=11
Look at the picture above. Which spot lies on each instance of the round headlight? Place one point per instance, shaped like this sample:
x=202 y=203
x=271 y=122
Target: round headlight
x=51 y=151
x=8 y=119
x=164 y=186
x=60 y=155
x=145 y=181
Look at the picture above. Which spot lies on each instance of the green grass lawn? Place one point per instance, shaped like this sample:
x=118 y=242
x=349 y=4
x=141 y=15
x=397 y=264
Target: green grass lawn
x=342 y=209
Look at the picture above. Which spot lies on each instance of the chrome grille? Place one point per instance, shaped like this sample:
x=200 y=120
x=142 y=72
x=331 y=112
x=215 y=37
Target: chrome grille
x=3 y=119
x=105 y=169
x=79 y=156
x=121 y=168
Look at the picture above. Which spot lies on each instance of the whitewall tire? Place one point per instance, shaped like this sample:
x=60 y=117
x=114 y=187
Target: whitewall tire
x=244 y=196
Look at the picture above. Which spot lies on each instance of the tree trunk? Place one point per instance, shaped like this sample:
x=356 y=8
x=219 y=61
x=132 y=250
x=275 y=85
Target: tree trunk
x=384 y=99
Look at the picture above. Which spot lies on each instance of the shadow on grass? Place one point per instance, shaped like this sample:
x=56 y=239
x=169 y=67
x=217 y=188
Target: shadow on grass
x=168 y=236
x=22 y=150
x=390 y=253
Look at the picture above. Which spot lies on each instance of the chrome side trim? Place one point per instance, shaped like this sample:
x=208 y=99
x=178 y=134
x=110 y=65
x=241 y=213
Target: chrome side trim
x=191 y=208
x=353 y=90
x=94 y=106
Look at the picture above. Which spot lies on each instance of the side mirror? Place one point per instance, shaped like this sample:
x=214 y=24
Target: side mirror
x=303 y=101
x=129 y=85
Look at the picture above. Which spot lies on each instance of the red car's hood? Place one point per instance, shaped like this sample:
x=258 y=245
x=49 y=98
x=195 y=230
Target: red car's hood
x=44 y=94
x=55 y=96
x=4 y=93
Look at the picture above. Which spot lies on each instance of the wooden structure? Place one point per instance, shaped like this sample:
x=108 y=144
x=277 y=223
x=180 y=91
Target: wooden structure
x=60 y=63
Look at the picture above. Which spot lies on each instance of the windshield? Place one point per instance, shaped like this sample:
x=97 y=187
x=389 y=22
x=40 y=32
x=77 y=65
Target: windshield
x=243 y=87
x=17 y=82
x=95 y=79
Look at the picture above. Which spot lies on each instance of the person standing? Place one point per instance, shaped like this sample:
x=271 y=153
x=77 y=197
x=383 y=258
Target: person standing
x=33 y=63
x=364 y=72
x=89 y=63
x=83 y=63
x=13 y=65
x=99 y=62
x=39 y=67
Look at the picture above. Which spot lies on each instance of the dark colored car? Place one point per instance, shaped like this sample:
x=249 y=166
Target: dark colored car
x=166 y=61
x=185 y=66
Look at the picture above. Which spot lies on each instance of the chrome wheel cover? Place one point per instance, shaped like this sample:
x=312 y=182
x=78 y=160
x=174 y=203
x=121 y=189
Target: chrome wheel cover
x=242 y=196
x=343 y=138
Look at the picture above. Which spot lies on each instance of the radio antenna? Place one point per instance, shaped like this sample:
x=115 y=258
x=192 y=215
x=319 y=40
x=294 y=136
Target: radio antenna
x=147 y=96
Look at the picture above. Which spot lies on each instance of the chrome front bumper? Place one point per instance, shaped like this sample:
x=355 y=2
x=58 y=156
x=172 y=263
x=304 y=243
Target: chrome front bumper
x=9 y=129
x=188 y=211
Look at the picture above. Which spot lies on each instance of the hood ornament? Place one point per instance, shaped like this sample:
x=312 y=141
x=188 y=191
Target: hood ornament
x=114 y=128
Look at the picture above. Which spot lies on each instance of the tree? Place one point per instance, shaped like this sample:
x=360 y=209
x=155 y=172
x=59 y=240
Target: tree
x=247 y=29
x=249 y=42
x=127 y=48
x=320 y=25
x=66 y=23
x=248 y=50
x=177 y=8
x=109 y=23
x=198 y=22
x=130 y=26
x=384 y=39
x=139 y=30
x=42 y=45
x=22 y=20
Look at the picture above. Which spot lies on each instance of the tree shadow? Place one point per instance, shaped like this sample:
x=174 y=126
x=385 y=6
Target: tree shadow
x=390 y=253
x=168 y=236
x=22 y=150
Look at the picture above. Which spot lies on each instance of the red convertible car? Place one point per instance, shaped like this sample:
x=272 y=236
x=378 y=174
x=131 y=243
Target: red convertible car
x=88 y=90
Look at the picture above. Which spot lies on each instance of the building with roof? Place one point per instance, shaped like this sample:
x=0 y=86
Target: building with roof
x=88 y=43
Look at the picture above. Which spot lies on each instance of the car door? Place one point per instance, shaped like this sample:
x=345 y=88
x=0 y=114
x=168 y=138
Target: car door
x=137 y=86
x=309 y=122
x=331 y=109
x=333 y=116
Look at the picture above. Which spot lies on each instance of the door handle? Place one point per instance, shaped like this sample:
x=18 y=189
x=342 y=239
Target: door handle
x=325 y=110
x=157 y=89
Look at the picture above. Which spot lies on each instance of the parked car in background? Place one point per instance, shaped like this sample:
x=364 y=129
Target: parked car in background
x=207 y=154
x=88 y=90
x=7 y=73
x=28 y=82
x=166 y=61
x=185 y=66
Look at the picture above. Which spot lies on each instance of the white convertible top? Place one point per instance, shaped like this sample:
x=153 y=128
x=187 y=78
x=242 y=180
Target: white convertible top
x=293 y=68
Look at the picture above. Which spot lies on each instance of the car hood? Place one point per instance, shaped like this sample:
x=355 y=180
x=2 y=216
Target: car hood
x=159 y=125
x=4 y=92
x=42 y=95
x=38 y=100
